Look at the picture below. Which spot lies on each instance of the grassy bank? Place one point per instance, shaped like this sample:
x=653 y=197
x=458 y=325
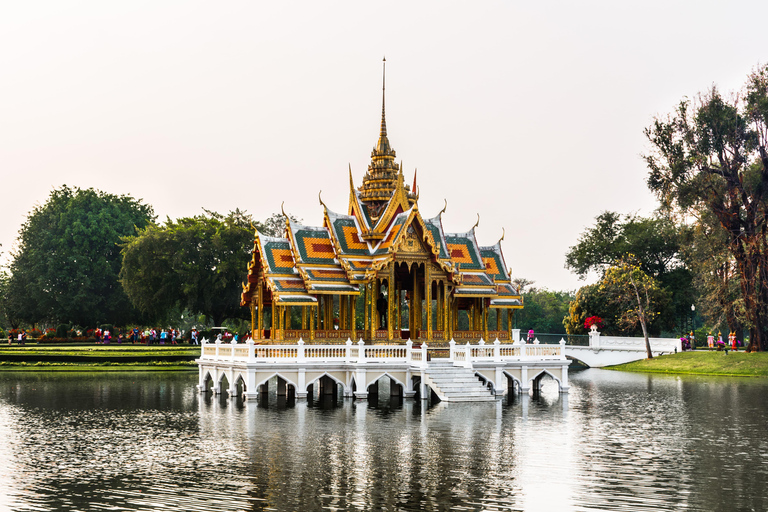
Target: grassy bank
x=101 y=367
x=97 y=357
x=737 y=364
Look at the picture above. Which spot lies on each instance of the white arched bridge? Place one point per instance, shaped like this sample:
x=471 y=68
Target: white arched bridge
x=611 y=350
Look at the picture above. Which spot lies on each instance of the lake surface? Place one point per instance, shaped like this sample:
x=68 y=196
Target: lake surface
x=148 y=441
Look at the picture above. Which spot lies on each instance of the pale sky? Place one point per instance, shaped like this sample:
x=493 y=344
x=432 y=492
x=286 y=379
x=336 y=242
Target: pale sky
x=528 y=113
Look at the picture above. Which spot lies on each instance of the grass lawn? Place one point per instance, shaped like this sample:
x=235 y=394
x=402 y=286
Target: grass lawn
x=700 y=362
x=101 y=357
x=99 y=367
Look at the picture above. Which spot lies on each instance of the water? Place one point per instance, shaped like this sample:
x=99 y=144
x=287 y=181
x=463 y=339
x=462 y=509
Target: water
x=148 y=441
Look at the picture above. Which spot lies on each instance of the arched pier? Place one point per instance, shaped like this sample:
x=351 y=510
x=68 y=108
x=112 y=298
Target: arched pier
x=470 y=372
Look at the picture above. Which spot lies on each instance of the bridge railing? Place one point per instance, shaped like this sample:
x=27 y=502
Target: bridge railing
x=409 y=353
x=466 y=355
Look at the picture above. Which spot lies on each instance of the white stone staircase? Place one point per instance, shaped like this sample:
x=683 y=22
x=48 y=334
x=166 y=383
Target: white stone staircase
x=456 y=384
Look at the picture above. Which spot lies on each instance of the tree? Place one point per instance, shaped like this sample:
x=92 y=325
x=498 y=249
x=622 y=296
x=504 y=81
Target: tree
x=656 y=244
x=715 y=274
x=544 y=309
x=712 y=154
x=638 y=296
x=194 y=263
x=67 y=262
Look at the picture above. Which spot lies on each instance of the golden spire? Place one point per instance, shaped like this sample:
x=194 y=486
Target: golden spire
x=380 y=182
x=383 y=145
x=383 y=130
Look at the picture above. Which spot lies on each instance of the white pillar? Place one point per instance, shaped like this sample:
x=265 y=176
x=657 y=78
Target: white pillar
x=498 y=388
x=497 y=351
x=564 y=386
x=232 y=391
x=362 y=384
x=251 y=393
x=301 y=392
x=515 y=335
x=594 y=339
x=361 y=353
x=300 y=356
x=452 y=345
x=200 y=378
x=408 y=392
x=524 y=387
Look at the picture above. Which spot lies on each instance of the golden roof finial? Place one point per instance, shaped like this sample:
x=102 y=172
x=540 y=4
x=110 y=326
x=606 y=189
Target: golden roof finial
x=503 y=232
x=321 y=199
x=444 y=208
x=476 y=223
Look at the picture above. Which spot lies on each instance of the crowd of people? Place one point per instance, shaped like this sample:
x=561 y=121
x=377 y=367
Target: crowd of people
x=148 y=336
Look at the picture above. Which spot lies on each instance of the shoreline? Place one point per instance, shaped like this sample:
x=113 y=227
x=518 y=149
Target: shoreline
x=98 y=358
x=702 y=362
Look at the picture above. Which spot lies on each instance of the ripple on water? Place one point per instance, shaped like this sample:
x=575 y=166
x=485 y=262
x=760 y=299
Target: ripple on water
x=618 y=442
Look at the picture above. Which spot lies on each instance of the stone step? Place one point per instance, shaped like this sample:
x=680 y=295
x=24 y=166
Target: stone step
x=456 y=384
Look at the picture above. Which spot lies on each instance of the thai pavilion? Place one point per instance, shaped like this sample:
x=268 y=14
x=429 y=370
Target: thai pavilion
x=380 y=272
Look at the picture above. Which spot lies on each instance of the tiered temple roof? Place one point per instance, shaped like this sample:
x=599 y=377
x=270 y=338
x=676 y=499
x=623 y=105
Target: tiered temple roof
x=383 y=228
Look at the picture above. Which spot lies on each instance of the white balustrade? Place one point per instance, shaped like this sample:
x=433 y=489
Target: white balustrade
x=350 y=352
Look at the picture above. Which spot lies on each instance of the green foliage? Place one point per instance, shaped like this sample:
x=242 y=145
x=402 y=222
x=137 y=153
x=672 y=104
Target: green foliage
x=62 y=330
x=637 y=296
x=710 y=155
x=108 y=327
x=67 y=264
x=193 y=263
x=614 y=299
x=544 y=310
x=656 y=244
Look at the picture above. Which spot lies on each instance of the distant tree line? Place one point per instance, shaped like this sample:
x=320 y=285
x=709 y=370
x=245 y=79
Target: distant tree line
x=88 y=258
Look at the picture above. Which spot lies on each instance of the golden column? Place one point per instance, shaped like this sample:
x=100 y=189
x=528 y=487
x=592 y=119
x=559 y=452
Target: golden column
x=428 y=297
x=365 y=307
x=312 y=322
x=446 y=313
x=415 y=326
x=353 y=315
x=438 y=304
x=253 y=316
x=376 y=286
x=390 y=301
x=272 y=319
x=260 y=312
x=399 y=312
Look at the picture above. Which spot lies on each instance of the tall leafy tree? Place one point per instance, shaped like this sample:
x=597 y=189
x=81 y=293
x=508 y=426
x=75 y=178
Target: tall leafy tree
x=67 y=263
x=637 y=296
x=711 y=153
x=656 y=245
x=193 y=263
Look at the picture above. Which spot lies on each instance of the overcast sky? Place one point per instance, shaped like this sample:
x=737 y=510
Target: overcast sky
x=530 y=114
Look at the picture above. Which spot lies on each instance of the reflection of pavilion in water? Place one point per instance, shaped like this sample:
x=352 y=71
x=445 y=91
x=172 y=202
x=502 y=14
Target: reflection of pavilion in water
x=424 y=300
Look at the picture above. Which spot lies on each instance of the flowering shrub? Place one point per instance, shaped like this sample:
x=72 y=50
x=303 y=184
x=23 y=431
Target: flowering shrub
x=34 y=333
x=50 y=333
x=593 y=320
